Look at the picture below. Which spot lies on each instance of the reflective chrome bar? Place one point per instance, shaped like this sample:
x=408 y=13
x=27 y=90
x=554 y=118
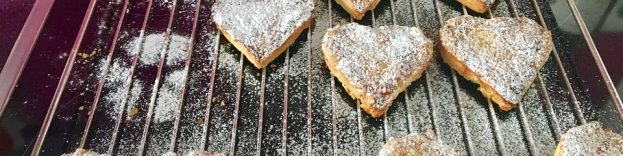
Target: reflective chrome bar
x=612 y=91
x=284 y=130
x=234 y=128
x=64 y=77
x=189 y=50
x=206 y=123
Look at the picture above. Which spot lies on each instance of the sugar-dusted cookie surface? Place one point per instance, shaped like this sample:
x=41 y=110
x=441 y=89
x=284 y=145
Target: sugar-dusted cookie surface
x=376 y=64
x=590 y=139
x=262 y=29
x=503 y=55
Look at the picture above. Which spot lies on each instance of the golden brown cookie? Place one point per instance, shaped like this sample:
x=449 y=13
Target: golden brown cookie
x=376 y=64
x=503 y=55
x=262 y=29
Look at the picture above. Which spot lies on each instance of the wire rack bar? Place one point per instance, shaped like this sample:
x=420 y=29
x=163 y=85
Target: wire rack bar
x=184 y=87
x=63 y=81
x=102 y=77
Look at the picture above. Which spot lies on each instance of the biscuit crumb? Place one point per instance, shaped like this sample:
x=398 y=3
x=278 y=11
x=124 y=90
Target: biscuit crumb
x=200 y=121
x=133 y=112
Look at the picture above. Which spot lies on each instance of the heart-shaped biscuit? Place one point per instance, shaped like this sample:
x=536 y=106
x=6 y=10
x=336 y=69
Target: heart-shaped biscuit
x=357 y=8
x=376 y=64
x=262 y=29
x=503 y=55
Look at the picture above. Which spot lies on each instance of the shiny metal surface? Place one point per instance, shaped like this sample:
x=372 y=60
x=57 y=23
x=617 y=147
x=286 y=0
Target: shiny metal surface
x=24 y=44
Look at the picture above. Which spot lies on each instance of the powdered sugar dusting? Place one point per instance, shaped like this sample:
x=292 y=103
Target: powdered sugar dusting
x=488 y=3
x=397 y=122
x=150 y=54
x=135 y=93
x=417 y=108
x=377 y=60
x=178 y=48
x=591 y=139
x=84 y=152
x=345 y=113
x=416 y=144
x=501 y=12
x=477 y=123
x=559 y=96
x=261 y=26
x=544 y=139
x=403 y=13
x=204 y=153
x=322 y=141
x=510 y=130
x=505 y=52
x=248 y=111
x=361 y=5
x=117 y=81
x=168 y=96
x=298 y=62
x=446 y=118
x=153 y=46
x=223 y=100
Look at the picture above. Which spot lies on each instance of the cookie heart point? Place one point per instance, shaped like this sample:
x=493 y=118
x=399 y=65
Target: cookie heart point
x=262 y=30
x=479 y=6
x=357 y=8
